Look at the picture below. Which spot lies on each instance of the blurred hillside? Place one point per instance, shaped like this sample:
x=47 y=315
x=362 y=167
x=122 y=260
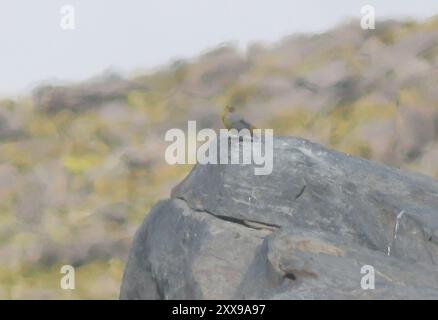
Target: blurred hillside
x=80 y=165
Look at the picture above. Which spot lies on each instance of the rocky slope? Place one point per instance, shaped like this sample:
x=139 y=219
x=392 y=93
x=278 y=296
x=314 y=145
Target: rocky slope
x=81 y=163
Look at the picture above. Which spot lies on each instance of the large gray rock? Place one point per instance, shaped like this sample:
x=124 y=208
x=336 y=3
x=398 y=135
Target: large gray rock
x=303 y=232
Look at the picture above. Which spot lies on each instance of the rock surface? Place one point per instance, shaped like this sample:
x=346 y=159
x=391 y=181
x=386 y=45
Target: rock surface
x=303 y=232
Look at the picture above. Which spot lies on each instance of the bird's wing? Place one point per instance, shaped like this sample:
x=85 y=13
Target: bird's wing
x=238 y=122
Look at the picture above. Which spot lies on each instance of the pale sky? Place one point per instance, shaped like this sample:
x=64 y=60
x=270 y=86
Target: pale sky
x=130 y=34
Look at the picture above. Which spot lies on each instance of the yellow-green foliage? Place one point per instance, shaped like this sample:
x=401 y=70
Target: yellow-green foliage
x=153 y=103
x=295 y=121
x=413 y=96
x=239 y=95
x=81 y=164
x=102 y=278
x=16 y=154
x=347 y=118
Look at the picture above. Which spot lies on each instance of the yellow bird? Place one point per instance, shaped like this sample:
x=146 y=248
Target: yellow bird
x=231 y=120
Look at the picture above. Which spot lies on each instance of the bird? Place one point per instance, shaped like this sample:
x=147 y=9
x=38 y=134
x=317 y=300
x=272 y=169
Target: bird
x=232 y=120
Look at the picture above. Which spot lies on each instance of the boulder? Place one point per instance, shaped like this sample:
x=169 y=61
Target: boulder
x=306 y=231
